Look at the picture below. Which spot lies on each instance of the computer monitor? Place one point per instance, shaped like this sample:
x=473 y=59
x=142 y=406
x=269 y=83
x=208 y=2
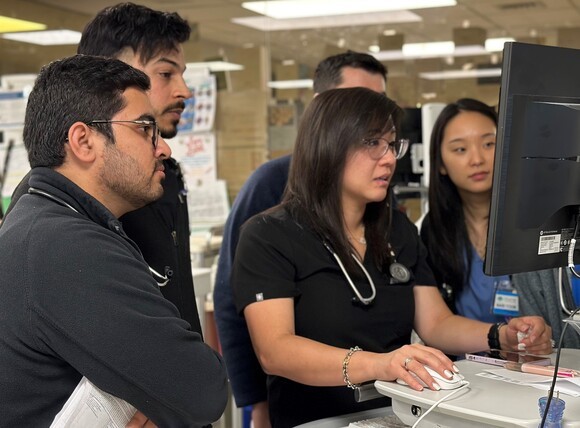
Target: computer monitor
x=410 y=129
x=536 y=185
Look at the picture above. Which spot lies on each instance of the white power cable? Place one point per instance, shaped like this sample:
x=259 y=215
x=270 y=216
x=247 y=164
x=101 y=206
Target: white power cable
x=461 y=388
x=571 y=256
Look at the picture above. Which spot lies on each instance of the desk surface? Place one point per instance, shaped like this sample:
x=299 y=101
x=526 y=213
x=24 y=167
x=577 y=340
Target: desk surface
x=486 y=402
x=344 y=420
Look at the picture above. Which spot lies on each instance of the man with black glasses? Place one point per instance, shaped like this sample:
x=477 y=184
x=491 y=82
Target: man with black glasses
x=78 y=298
x=151 y=41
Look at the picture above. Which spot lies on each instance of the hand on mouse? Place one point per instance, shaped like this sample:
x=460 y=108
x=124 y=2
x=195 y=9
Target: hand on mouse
x=440 y=382
x=408 y=364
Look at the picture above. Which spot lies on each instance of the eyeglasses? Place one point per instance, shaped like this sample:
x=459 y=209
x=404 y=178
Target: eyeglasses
x=149 y=127
x=378 y=147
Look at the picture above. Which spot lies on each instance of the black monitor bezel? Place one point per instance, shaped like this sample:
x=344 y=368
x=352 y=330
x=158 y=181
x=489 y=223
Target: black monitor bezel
x=539 y=72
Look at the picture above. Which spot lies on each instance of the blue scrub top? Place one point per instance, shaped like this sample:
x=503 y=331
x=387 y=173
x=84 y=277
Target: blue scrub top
x=576 y=287
x=476 y=299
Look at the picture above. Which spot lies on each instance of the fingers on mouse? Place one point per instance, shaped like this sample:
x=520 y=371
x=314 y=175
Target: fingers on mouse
x=440 y=382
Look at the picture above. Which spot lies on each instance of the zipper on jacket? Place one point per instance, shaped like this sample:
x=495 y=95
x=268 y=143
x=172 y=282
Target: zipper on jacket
x=182 y=195
x=174 y=236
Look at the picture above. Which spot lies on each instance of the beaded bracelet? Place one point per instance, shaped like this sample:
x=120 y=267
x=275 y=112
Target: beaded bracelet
x=345 y=367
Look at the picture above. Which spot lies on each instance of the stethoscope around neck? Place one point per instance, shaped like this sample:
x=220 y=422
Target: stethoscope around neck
x=398 y=272
x=161 y=279
x=363 y=300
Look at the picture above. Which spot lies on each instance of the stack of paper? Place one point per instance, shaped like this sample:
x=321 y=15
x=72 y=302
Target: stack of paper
x=391 y=421
x=89 y=407
x=569 y=386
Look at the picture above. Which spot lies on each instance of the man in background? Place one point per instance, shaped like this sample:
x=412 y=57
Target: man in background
x=78 y=298
x=151 y=41
x=261 y=191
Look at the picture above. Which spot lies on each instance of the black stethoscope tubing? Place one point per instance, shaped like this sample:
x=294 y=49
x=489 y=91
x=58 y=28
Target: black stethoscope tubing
x=161 y=280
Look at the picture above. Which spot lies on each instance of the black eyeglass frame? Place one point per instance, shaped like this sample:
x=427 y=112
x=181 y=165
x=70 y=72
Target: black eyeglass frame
x=152 y=123
x=398 y=147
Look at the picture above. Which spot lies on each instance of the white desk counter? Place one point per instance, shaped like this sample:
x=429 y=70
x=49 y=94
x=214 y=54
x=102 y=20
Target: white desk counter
x=484 y=403
x=344 y=420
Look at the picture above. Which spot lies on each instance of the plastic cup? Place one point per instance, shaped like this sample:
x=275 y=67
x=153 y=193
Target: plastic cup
x=555 y=412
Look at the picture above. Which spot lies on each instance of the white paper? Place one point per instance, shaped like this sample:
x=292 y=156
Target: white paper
x=568 y=386
x=89 y=407
x=390 y=421
x=208 y=202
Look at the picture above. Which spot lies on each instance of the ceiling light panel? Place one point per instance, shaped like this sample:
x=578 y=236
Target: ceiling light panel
x=290 y=9
x=216 y=65
x=496 y=45
x=461 y=74
x=430 y=50
x=46 y=38
x=10 y=25
x=290 y=84
x=264 y=23
x=418 y=50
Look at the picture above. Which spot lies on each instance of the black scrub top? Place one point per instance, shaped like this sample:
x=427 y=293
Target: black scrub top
x=277 y=257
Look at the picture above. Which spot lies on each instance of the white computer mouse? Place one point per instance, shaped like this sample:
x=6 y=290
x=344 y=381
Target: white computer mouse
x=455 y=382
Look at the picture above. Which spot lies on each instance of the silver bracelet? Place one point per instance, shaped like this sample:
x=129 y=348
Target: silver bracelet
x=345 y=367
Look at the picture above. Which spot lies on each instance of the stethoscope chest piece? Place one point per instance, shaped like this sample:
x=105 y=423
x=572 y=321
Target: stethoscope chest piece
x=399 y=272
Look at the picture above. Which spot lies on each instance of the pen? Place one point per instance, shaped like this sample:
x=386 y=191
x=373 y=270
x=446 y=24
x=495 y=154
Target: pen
x=541 y=370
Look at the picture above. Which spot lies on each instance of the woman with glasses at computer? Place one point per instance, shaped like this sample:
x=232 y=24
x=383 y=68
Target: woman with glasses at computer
x=332 y=281
x=454 y=231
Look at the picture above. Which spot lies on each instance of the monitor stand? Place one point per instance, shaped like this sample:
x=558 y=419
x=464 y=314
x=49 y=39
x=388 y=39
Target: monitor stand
x=574 y=321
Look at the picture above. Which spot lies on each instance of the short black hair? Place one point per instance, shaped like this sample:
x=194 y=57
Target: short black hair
x=80 y=88
x=328 y=74
x=127 y=25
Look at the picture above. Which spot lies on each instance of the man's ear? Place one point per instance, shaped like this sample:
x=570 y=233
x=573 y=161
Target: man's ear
x=81 y=142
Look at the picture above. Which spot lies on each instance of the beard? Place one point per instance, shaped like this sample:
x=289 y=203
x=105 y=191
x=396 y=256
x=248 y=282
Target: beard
x=170 y=131
x=123 y=176
x=167 y=133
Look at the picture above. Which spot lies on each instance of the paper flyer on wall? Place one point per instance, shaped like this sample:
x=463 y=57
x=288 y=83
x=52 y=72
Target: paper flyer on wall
x=12 y=108
x=200 y=109
x=89 y=407
x=13 y=158
x=16 y=166
x=208 y=202
x=196 y=154
x=13 y=162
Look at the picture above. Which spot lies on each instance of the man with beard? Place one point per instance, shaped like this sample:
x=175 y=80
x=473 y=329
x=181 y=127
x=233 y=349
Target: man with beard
x=151 y=41
x=78 y=298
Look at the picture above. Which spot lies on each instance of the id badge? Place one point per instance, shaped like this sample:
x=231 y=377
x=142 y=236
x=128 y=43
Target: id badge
x=506 y=300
